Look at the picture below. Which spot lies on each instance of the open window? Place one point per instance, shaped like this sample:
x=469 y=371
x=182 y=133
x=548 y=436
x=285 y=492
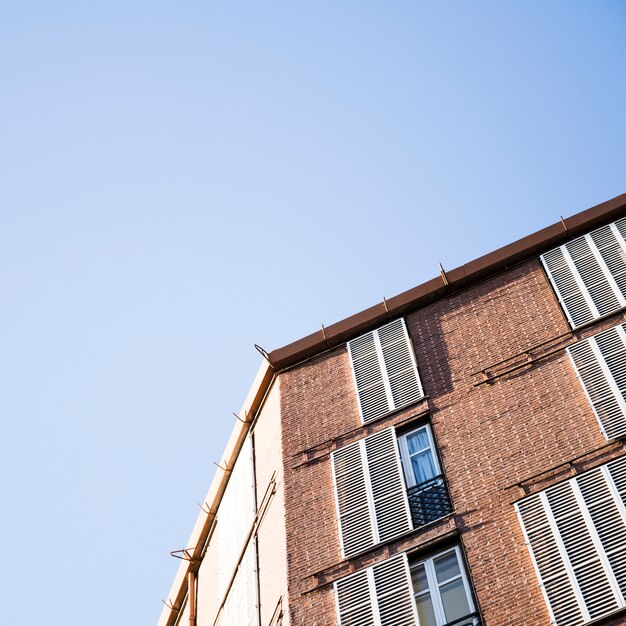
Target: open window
x=443 y=595
x=426 y=488
x=387 y=485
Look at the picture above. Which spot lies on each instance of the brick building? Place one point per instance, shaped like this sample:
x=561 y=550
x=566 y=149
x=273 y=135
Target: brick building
x=451 y=456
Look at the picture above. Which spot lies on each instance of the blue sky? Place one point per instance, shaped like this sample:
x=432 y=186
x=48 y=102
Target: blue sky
x=179 y=181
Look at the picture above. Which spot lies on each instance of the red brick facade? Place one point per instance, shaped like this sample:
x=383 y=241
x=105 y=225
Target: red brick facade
x=505 y=407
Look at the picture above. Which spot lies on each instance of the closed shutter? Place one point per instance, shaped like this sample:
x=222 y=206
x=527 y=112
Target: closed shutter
x=576 y=534
x=235 y=517
x=385 y=373
x=241 y=606
x=380 y=595
x=589 y=273
x=370 y=492
x=600 y=362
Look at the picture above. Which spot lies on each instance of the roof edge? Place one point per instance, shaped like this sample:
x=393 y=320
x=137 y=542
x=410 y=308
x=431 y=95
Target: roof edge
x=458 y=278
x=200 y=533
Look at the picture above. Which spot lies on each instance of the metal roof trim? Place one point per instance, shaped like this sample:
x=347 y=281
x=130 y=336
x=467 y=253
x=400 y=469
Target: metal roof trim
x=460 y=277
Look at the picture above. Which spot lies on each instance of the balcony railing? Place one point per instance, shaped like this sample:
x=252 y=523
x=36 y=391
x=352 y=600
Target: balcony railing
x=429 y=501
x=473 y=619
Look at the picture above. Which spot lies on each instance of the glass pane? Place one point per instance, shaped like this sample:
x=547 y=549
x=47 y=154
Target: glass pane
x=447 y=567
x=425 y=611
x=418 y=575
x=454 y=600
x=417 y=441
x=423 y=467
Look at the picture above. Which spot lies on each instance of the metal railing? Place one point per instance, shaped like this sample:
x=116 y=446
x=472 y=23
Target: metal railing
x=429 y=501
x=472 y=619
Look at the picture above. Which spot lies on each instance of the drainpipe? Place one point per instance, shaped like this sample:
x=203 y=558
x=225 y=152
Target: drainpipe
x=191 y=586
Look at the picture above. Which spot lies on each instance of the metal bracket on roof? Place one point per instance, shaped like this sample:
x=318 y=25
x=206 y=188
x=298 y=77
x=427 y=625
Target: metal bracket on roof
x=262 y=352
x=385 y=304
x=170 y=605
x=244 y=420
x=224 y=469
x=183 y=555
x=206 y=510
x=324 y=336
x=564 y=224
x=444 y=276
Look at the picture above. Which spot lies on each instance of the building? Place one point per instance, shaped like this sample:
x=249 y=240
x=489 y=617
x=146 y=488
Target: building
x=452 y=455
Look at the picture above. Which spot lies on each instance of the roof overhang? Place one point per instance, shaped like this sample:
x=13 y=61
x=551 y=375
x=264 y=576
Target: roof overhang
x=453 y=280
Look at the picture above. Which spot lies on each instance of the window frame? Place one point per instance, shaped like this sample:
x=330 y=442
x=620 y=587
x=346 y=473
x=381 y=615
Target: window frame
x=434 y=585
x=405 y=455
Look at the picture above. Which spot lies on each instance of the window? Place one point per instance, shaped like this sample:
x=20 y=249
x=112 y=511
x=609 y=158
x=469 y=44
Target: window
x=576 y=535
x=600 y=363
x=426 y=490
x=442 y=591
x=419 y=462
x=371 y=497
x=236 y=586
x=589 y=273
x=235 y=517
x=373 y=501
x=432 y=592
x=385 y=373
x=380 y=595
x=240 y=606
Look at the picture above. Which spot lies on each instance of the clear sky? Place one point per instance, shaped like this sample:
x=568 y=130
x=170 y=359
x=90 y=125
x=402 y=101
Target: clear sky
x=181 y=180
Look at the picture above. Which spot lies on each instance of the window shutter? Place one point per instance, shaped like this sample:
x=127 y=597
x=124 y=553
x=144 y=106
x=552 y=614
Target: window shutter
x=589 y=273
x=355 y=606
x=235 y=516
x=354 y=506
x=385 y=372
x=380 y=595
x=240 y=608
x=391 y=507
x=370 y=492
x=600 y=362
x=394 y=592
x=576 y=534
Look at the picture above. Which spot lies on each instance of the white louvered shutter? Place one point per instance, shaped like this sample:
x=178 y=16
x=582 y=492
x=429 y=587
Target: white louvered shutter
x=391 y=507
x=576 y=534
x=354 y=505
x=355 y=605
x=380 y=595
x=589 y=273
x=370 y=492
x=600 y=362
x=385 y=372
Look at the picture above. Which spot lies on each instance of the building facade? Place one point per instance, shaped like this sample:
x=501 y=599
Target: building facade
x=451 y=456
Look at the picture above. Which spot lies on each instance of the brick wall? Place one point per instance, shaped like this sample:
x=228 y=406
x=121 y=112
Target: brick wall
x=490 y=436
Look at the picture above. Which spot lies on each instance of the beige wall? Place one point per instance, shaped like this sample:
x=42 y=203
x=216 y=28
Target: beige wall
x=207 y=599
x=271 y=536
